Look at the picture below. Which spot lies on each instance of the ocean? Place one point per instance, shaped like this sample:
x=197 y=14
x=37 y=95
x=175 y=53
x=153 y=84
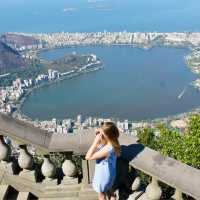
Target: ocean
x=99 y=15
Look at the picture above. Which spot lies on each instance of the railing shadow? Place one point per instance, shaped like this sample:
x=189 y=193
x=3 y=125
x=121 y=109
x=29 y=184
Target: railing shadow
x=129 y=152
x=125 y=173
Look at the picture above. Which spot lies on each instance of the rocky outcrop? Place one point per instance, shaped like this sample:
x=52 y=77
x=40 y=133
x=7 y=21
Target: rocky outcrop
x=18 y=40
x=10 y=58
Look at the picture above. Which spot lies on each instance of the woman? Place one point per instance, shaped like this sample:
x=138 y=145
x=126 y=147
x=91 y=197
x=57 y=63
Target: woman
x=105 y=149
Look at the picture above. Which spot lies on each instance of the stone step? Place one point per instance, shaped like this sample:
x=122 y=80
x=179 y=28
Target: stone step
x=88 y=198
x=87 y=193
x=63 y=188
x=87 y=186
x=62 y=191
x=87 y=189
x=53 y=194
x=61 y=198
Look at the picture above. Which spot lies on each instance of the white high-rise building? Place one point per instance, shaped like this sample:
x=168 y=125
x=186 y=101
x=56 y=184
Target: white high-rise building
x=65 y=131
x=67 y=123
x=17 y=83
x=95 y=122
x=59 y=129
x=54 y=122
x=90 y=121
x=79 y=119
x=50 y=73
x=120 y=126
x=126 y=126
x=100 y=121
x=53 y=74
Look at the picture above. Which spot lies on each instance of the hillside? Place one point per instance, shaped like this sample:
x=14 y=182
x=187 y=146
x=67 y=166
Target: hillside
x=9 y=58
x=18 y=40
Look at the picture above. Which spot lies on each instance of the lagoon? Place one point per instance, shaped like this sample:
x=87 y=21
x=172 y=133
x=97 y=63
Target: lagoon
x=135 y=84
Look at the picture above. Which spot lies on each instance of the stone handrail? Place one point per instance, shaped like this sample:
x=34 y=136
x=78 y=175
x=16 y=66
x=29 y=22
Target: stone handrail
x=28 y=134
x=183 y=178
x=165 y=169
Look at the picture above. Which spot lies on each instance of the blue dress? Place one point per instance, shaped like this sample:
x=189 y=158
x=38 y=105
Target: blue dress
x=105 y=172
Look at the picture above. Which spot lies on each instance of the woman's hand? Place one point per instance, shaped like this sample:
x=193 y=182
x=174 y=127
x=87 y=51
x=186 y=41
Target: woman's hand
x=95 y=144
x=97 y=139
x=97 y=131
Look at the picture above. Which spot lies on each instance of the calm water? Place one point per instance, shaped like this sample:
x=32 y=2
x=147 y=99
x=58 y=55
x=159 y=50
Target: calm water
x=110 y=15
x=135 y=84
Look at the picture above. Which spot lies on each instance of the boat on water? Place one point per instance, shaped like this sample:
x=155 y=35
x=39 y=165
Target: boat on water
x=182 y=93
x=69 y=9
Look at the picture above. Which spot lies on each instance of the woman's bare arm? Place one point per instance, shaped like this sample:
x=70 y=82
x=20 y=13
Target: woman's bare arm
x=92 y=154
x=97 y=155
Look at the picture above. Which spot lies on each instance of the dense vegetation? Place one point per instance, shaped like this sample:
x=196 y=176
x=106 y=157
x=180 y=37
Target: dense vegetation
x=36 y=67
x=184 y=147
x=68 y=62
x=24 y=73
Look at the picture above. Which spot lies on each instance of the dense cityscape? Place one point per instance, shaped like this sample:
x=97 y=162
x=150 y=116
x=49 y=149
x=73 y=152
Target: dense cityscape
x=10 y=95
x=143 y=40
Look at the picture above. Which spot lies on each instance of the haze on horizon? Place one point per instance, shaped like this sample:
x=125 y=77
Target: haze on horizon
x=115 y=15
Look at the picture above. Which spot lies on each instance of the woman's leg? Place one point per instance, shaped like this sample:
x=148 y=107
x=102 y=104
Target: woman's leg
x=102 y=196
x=112 y=196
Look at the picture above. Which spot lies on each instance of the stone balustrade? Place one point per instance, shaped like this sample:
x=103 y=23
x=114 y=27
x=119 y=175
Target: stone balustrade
x=15 y=171
x=19 y=170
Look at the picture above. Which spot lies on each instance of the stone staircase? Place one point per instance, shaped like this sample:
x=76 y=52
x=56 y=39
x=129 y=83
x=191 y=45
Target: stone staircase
x=87 y=193
x=68 y=189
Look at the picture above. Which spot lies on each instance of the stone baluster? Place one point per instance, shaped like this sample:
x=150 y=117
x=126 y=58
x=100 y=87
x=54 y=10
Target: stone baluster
x=25 y=161
x=88 y=170
x=153 y=190
x=177 y=195
x=86 y=188
x=135 y=188
x=48 y=170
x=136 y=184
x=5 y=152
x=69 y=170
x=85 y=171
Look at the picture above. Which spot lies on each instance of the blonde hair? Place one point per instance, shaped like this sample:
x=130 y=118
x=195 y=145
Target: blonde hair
x=112 y=133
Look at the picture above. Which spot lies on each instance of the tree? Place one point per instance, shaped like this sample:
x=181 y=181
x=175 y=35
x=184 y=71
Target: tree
x=185 y=148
